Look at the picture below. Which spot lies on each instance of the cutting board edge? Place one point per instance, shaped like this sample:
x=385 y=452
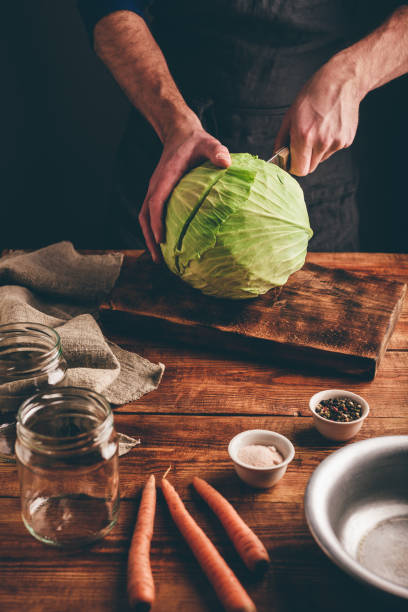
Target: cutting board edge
x=346 y=363
x=392 y=322
x=109 y=307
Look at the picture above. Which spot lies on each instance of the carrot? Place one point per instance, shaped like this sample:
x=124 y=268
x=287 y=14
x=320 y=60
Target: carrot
x=230 y=592
x=247 y=544
x=140 y=585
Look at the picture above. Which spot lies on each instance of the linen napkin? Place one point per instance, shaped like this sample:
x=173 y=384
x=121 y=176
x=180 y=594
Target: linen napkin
x=59 y=287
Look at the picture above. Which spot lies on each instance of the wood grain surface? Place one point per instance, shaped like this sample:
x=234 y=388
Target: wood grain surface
x=324 y=316
x=204 y=399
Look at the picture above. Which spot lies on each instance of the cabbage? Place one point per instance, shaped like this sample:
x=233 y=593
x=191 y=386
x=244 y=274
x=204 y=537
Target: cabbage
x=236 y=232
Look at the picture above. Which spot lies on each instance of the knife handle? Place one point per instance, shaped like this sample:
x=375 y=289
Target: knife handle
x=281 y=158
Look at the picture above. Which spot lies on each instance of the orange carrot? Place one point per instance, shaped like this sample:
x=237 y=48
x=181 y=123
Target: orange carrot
x=247 y=544
x=230 y=592
x=140 y=585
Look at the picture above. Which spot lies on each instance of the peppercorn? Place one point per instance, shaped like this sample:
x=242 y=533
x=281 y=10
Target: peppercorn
x=342 y=409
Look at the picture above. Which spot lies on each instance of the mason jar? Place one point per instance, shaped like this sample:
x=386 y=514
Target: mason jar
x=31 y=360
x=67 y=459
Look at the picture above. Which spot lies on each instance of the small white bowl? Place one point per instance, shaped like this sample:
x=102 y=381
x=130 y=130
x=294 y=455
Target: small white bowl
x=261 y=477
x=337 y=430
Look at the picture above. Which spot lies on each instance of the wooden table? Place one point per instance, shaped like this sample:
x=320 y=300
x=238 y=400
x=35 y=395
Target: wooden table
x=204 y=399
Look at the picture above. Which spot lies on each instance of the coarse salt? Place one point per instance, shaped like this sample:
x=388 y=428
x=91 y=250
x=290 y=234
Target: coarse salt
x=259 y=455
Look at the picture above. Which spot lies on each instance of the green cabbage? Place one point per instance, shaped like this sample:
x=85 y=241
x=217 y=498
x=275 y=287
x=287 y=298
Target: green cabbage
x=236 y=232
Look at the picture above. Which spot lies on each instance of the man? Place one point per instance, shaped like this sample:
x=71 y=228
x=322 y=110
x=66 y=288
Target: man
x=245 y=76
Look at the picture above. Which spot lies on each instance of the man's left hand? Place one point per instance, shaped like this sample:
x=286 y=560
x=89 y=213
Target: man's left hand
x=323 y=118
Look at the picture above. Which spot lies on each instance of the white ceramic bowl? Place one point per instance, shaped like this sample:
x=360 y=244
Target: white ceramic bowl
x=261 y=477
x=336 y=430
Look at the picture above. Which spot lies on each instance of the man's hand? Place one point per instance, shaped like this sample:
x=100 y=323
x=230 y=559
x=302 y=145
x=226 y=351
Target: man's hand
x=124 y=43
x=324 y=116
x=322 y=120
x=183 y=148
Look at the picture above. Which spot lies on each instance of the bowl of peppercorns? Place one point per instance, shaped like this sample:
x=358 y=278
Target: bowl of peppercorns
x=338 y=414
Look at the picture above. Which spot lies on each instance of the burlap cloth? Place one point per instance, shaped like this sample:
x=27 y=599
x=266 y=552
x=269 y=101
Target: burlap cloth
x=59 y=287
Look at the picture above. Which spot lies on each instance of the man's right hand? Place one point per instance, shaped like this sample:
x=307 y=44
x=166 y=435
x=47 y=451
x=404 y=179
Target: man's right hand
x=183 y=148
x=125 y=44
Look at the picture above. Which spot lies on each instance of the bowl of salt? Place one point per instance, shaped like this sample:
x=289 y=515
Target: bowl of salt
x=260 y=456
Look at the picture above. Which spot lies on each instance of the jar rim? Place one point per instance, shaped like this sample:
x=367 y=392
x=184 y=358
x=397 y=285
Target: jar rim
x=45 y=339
x=21 y=326
x=46 y=399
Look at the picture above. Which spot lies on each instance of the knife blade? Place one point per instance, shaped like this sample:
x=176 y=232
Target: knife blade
x=281 y=158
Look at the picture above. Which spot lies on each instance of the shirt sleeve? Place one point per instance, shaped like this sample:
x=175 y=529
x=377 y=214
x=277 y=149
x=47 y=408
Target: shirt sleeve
x=92 y=11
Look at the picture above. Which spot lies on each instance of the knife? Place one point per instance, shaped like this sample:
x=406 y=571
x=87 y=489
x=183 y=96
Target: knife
x=281 y=158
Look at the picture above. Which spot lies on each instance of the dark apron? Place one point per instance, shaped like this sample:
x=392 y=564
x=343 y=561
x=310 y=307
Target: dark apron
x=239 y=65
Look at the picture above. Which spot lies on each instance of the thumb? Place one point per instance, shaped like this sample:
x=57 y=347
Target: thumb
x=282 y=139
x=218 y=154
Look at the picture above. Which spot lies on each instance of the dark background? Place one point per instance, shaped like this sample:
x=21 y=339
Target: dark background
x=62 y=120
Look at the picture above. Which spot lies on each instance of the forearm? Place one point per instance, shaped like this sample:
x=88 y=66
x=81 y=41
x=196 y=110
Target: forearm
x=124 y=43
x=379 y=57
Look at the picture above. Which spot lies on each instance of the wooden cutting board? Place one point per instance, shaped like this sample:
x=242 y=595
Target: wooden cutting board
x=329 y=318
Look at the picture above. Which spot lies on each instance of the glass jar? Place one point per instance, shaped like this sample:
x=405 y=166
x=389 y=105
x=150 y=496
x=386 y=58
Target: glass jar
x=31 y=360
x=67 y=458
